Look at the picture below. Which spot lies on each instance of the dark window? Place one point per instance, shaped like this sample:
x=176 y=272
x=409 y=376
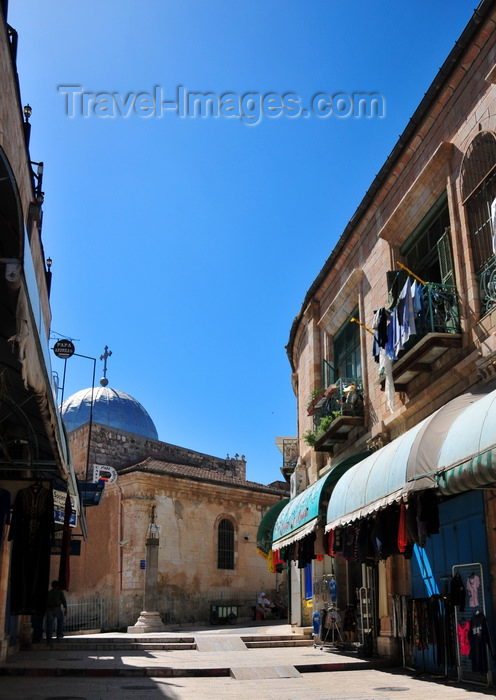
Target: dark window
x=347 y=358
x=427 y=252
x=478 y=192
x=225 y=545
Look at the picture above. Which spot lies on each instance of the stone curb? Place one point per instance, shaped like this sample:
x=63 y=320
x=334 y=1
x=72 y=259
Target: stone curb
x=167 y=672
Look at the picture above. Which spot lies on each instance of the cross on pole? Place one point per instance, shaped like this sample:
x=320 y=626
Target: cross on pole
x=104 y=357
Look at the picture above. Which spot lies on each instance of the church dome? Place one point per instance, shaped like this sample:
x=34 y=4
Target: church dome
x=112 y=408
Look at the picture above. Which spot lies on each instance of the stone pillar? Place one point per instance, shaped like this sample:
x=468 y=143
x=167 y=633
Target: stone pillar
x=149 y=619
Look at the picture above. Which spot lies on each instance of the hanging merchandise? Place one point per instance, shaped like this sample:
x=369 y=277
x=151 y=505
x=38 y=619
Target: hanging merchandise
x=473 y=637
x=65 y=553
x=31 y=531
x=462 y=633
x=333 y=590
x=472 y=586
x=457 y=591
x=270 y=562
x=480 y=643
x=4 y=510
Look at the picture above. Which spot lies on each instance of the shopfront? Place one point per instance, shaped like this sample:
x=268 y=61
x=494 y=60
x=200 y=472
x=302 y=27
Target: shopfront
x=396 y=511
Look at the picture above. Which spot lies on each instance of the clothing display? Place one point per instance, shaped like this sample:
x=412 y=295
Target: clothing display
x=472 y=587
x=4 y=510
x=480 y=642
x=462 y=632
x=402 y=532
x=457 y=592
x=65 y=551
x=400 y=616
x=431 y=623
x=31 y=531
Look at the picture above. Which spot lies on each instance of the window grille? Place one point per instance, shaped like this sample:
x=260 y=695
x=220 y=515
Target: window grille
x=225 y=545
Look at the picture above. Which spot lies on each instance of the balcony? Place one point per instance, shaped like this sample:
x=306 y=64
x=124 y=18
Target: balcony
x=438 y=330
x=487 y=285
x=339 y=411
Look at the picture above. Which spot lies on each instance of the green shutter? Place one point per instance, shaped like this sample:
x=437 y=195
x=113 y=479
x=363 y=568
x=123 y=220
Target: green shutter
x=446 y=259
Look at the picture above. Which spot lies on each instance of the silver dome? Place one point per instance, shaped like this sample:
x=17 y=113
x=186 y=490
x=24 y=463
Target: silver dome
x=111 y=407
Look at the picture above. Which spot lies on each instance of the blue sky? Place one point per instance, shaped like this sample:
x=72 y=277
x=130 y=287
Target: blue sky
x=187 y=244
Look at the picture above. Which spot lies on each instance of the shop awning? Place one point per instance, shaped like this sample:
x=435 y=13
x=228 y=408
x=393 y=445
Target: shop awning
x=300 y=516
x=406 y=464
x=266 y=527
x=468 y=457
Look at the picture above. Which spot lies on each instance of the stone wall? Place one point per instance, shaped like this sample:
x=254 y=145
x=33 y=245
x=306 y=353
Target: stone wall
x=120 y=449
x=188 y=514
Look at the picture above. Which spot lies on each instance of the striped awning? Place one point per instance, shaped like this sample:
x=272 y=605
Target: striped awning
x=468 y=457
x=406 y=464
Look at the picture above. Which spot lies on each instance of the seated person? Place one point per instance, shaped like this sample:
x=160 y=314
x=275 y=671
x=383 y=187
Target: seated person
x=265 y=605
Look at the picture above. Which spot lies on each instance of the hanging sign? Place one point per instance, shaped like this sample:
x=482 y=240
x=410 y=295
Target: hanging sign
x=64 y=349
x=59 y=508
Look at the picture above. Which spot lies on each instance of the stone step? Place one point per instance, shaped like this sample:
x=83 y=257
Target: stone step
x=263 y=644
x=272 y=637
x=123 y=646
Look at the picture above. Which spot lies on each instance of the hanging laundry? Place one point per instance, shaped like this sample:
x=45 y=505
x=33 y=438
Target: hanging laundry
x=407 y=316
x=380 y=327
x=386 y=368
x=418 y=306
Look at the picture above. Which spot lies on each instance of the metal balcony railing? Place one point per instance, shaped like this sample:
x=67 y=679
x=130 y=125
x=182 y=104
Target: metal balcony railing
x=346 y=400
x=440 y=313
x=487 y=285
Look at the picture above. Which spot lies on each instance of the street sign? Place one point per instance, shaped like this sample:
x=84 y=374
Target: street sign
x=64 y=349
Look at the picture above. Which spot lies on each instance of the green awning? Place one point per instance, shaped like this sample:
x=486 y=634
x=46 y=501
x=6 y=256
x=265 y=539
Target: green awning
x=468 y=457
x=266 y=527
x=302 y=514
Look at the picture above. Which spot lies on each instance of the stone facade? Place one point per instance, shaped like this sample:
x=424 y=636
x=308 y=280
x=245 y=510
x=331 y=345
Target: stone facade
x=33 y=446
x=428 y=165
x=119 y=449
x=190 y=494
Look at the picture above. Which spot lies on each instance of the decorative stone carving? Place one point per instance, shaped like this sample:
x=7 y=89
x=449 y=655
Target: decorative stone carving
x=380 y=440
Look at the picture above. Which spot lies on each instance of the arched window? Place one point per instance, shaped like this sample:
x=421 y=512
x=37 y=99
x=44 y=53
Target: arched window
x=225 y=544
x=478 y=193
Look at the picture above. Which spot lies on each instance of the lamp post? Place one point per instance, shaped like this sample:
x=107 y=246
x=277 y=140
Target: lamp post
x=149 y=619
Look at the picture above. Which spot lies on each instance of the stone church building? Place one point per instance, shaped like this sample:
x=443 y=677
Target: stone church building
x=206 y=511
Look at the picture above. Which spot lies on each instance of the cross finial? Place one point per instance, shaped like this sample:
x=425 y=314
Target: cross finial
x=106 y=354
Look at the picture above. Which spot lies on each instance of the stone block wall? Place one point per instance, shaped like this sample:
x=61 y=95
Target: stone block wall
x=120 y=449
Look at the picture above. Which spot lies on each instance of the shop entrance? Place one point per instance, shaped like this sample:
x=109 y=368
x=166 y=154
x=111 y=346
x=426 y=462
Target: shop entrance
x=462 y=538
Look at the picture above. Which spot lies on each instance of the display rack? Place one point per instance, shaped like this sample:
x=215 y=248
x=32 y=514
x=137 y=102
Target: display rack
x=464 y=664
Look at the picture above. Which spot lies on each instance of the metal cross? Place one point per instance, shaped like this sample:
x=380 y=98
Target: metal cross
x=103 y=357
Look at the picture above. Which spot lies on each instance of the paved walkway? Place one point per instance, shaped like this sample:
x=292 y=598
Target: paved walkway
x=221 y=667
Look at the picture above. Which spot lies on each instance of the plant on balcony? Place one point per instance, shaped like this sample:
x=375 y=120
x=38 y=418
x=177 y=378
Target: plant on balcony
x=314 y=395
x=310 y=437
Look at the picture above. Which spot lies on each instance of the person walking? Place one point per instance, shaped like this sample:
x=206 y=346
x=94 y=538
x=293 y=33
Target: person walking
x=56 y=608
